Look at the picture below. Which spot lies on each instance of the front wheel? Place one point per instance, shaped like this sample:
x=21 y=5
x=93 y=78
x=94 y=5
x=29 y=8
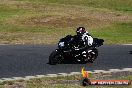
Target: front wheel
x=55 y=58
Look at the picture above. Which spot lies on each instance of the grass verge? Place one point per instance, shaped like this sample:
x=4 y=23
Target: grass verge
x=46 y=21
x=58 y=82
x=120 y=5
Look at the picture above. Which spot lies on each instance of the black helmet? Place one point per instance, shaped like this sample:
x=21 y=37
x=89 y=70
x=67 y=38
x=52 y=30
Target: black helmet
x=80 y=30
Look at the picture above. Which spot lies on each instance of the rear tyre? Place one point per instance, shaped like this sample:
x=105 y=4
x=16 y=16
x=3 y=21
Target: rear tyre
x=55 y=58
x=91 y=56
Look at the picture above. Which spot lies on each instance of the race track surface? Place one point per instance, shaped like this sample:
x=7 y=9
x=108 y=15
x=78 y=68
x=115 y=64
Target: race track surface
x=30 y=60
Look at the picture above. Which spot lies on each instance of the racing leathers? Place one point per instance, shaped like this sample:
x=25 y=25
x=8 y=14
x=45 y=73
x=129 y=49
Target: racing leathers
x=84 y=40
x=87 y=39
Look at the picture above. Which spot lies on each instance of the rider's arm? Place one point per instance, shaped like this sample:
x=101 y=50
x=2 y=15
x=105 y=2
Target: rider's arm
x=88 y=40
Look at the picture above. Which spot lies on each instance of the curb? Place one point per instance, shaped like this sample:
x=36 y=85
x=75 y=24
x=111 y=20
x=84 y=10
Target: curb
x=64 y=74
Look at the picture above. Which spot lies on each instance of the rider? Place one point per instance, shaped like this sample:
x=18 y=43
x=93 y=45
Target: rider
x=83 y=40
x=84 y=36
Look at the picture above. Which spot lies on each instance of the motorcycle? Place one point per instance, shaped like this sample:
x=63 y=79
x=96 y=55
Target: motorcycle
x=69 y=51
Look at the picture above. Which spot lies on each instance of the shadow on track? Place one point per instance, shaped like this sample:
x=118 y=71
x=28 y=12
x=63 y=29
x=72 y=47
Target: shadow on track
x=130 y=52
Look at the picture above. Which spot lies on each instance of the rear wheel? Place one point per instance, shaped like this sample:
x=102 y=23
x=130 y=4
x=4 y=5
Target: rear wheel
x=92 y=55
x=55 y=58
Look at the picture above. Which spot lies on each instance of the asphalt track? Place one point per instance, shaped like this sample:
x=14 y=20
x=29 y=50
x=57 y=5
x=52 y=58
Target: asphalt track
x=31 y=60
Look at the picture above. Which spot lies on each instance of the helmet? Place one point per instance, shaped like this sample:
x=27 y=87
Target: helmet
x=80 y=30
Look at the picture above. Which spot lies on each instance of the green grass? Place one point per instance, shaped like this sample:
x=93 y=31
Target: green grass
x=46 y=21
x=9 y=11
x=121 y=5
x=115 y=34
x=58 y=82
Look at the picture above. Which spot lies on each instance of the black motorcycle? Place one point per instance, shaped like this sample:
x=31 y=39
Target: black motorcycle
x=69 y=50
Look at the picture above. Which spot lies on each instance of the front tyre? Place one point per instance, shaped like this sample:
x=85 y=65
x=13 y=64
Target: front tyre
x=55 y=58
